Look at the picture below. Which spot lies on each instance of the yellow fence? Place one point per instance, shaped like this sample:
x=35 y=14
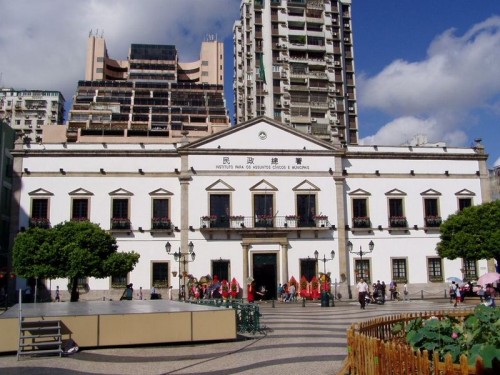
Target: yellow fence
x=374 y=350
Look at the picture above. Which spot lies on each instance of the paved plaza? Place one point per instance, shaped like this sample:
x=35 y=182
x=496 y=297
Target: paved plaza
x=296 y=340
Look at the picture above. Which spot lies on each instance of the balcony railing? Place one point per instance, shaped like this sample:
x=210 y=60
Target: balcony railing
x=361 y=222
x=398 y=222
x=39 y=222
x=263 y=222
x=433 y=221
x=120 y=224
x=161 y=223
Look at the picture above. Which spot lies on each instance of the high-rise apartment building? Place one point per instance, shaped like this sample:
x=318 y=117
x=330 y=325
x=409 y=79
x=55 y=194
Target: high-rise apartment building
x=151 y=94
x=294 y=62
x=27 y=110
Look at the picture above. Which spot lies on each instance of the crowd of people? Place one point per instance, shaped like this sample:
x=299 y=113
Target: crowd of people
x=377 y=292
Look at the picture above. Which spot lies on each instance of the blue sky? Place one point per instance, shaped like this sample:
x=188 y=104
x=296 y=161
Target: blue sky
x=423 y=67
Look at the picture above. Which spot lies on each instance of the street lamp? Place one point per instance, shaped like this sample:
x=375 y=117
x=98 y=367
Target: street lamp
x=181 y=257
x=360 y=253
x=324 y=260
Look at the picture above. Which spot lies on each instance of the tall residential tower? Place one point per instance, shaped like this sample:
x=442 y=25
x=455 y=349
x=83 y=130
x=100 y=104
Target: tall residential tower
x=294 y=62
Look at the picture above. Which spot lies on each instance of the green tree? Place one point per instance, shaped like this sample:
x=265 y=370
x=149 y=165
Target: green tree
x=73 y=249
x=473 y=233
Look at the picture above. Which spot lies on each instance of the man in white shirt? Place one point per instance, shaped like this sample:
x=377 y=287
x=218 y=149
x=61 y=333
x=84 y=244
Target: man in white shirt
x=362 y=287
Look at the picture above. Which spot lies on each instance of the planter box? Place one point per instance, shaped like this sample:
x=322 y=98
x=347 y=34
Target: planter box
x=237 y=223
x=291 y=223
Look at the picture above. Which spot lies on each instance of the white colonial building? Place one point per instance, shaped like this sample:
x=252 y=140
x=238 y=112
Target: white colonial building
x=257 y=200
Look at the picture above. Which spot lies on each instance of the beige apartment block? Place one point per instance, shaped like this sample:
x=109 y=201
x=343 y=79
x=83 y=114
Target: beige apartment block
x=150 y=97
x=27 y=111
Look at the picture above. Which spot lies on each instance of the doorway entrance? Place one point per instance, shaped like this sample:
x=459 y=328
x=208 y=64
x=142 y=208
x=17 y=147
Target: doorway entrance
x=264 y=274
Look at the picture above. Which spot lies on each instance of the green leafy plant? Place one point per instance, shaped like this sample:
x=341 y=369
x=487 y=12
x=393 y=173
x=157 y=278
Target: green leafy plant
x=477 y=335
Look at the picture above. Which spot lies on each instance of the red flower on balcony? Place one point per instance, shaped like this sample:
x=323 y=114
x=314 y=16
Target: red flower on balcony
x=161 y=223
x=39 y=222
x=361 y=222
x=398 y=221
x=120 y=223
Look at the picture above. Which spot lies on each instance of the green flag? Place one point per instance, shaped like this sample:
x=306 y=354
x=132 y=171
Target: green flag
x=262 y=73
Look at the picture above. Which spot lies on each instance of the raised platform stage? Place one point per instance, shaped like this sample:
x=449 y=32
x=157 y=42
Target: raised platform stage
x=118 y=323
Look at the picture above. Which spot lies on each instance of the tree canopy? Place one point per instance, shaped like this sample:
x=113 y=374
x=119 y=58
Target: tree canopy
x=473 y=233
x=73 y=249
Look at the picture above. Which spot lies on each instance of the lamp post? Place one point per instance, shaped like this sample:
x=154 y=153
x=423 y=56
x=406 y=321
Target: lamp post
x=181 y=257
x=360 y=253
x=324 y=297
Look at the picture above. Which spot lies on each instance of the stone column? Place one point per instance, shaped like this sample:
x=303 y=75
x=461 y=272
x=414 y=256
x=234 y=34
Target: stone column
x=246 y=249
x=284 y=262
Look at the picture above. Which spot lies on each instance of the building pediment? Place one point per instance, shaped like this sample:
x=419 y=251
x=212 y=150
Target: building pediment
x=359 y=192
x=160 y=192
x=465 y=193
x=81 y=192
x=430 y=192
x=395 y=192
x=261 y=133
x=306 y=186
x=121 y=192
x=263 y=185
x=220 y=185
x=40 y=192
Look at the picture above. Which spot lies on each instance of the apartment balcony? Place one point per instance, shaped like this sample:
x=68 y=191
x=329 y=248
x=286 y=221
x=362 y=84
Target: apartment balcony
x=398 y=222
x=120 y=224
x=320 y=129
x=362 y=222
x=39 y=222
x=241 y=224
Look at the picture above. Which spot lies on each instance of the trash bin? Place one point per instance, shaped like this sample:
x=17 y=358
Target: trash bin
x=325 y=300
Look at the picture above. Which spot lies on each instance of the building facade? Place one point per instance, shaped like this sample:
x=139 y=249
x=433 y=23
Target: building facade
x=26 y=111
x=257 y=200
x=7 y=137
x=151 y=95
x=294 y=62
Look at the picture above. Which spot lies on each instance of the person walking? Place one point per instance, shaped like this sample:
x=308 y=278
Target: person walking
x=455 y=293
x=383 y=288
x=362 y=288
x=58 y=296
x=250 y=292
x=406 y=293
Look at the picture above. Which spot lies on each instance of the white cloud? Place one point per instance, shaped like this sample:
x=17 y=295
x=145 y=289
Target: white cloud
x=437 y=96
x=497 y=162
x=43 y=43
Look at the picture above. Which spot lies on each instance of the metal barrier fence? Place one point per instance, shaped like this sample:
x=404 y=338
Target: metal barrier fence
x=247 y=314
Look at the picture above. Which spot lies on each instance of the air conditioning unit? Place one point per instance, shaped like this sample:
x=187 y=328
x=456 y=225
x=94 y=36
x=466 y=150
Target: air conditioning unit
x=332 y=105
x=329 y=61
x=335 y=34
x=337 y=121
x=286 y=87
x=286 y=103
x=285 y=59
x=313 y=119
x=279 y=59
x=283 y=74
x=346 y=40
x=337 y=91
x=351 y=109
x=337 y=63
x=346 y=25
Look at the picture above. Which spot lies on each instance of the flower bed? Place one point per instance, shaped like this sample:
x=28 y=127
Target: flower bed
x=451 y=342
